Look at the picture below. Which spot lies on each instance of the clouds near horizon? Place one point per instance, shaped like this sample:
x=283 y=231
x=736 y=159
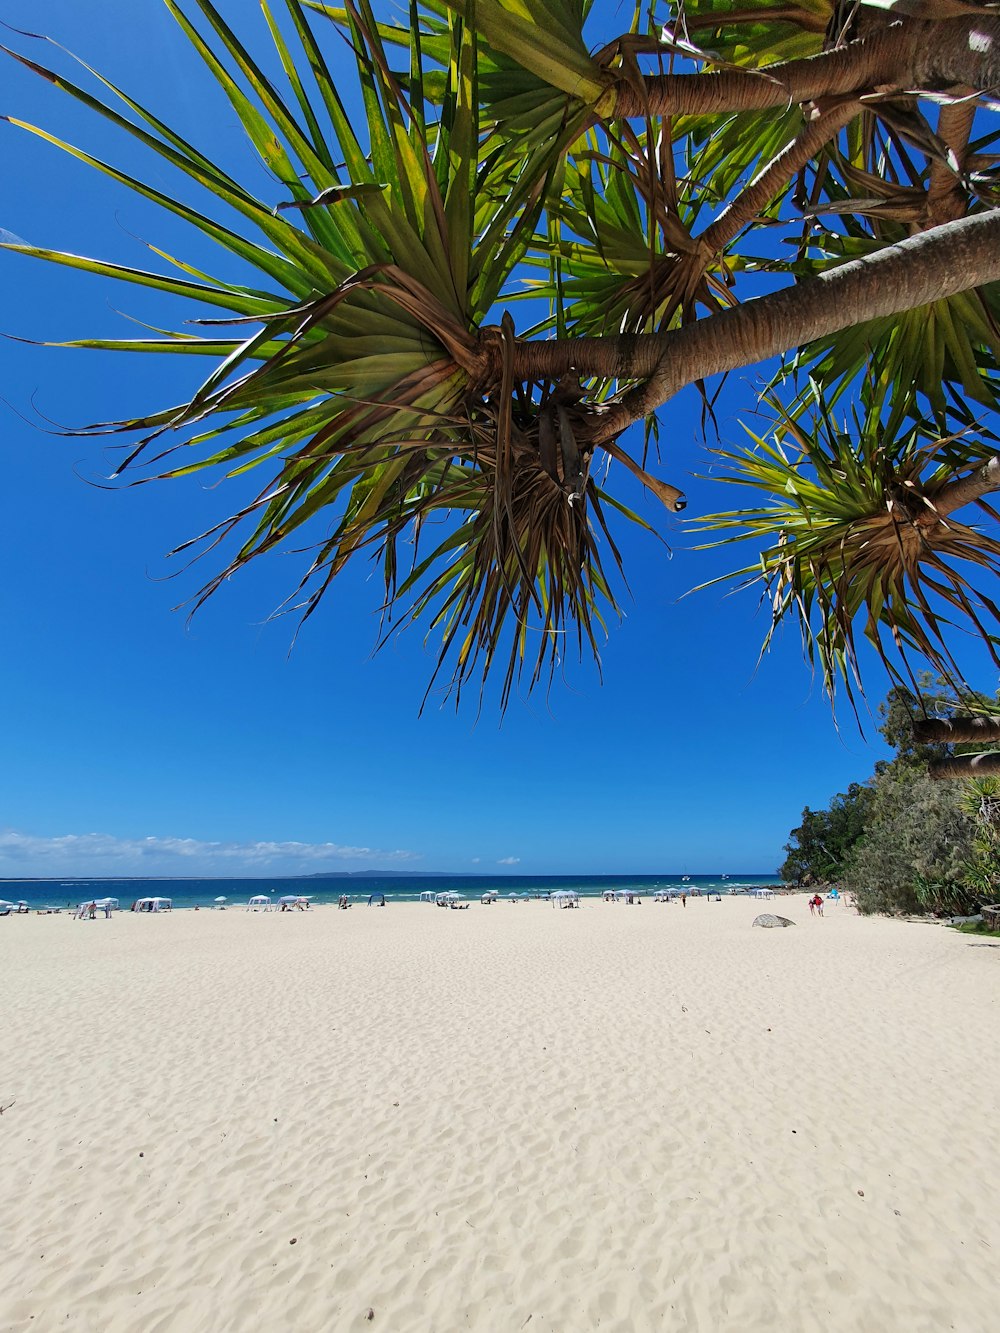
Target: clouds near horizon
x=105 y=854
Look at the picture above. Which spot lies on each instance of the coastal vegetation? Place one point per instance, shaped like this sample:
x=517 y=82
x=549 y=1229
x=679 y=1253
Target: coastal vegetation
x=904 y=841
x=718 y=184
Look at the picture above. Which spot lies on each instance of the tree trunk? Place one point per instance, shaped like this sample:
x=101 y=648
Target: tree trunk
x=957 y=730
x=966 y=766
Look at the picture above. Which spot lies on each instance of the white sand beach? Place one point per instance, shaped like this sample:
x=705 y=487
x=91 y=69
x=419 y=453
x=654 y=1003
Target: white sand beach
x=617 y=1118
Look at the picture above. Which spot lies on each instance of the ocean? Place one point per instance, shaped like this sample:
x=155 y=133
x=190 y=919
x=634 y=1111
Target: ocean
x=201 y=893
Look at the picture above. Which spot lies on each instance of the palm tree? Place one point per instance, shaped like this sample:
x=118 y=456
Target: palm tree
x=639 y=187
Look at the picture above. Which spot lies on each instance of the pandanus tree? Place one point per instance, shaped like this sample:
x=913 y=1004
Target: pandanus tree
x=724 y=183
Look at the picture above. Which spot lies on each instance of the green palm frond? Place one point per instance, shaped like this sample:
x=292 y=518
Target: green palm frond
x=849 y=535
x=351 y=368
x=620 y=249
x=754 y=33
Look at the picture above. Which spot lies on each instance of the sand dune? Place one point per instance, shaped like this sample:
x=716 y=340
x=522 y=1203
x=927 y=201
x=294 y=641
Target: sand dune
x=508 y=1118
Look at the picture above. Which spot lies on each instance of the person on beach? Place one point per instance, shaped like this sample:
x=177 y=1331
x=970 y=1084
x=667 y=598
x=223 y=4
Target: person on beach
x=684 y=900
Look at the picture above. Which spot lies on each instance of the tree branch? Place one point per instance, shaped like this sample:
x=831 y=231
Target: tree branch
x=966 y=489
x=781 y=169
x=905 y=55
x=945 y=195
x=928 y=267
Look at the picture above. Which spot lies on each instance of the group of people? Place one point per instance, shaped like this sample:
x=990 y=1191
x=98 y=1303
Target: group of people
x=816 y=902
x=88 y=911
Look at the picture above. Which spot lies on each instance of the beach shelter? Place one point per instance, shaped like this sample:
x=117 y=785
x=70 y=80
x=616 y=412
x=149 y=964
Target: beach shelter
x=259 y=902
x=428 y=896
x=565 y=898
x=153 y=905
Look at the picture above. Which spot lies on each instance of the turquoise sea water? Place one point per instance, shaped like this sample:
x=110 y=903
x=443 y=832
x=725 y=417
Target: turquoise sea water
x=189 y=893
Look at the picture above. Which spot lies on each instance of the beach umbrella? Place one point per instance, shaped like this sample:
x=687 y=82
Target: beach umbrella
x=289 y=898
x=221 y=899
x=5 y=903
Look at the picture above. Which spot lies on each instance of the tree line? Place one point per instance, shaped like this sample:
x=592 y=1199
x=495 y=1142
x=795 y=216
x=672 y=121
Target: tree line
x=904 y=841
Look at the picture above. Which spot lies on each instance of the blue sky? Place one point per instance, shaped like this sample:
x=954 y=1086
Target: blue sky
x=137 y=741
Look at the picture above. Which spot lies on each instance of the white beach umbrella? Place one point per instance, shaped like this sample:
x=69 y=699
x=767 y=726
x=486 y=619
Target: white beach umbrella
x=289 y=898
x=221 y=899
x=5 y=903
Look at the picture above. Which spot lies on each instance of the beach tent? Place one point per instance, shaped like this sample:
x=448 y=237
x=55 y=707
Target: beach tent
x=565 y=898
x=490 y=896
x=153 y=905
x=259 y=901
x=428 y=896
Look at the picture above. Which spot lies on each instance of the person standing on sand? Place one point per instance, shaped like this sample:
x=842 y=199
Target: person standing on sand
x=684 y=900
x=812 y=906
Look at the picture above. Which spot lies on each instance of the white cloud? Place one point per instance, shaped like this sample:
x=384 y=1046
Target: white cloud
x=508 y=861
x=99 y=854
